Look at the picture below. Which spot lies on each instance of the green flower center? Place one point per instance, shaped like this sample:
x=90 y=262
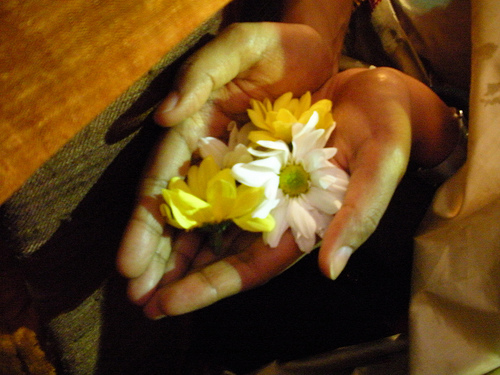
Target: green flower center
x=294 y=180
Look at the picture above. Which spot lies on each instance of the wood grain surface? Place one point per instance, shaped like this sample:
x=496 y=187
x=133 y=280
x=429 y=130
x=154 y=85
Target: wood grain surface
x=62 y=62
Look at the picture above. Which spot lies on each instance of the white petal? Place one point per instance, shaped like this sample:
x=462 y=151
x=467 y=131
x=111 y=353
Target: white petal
x=259 y=173
x=272 y=187
x=323 y=200
x=244 y=131
x=329 y=131
x=306 y=143
x=263 y=210
x=273 y=145
x=331 y=177
x=299 y=218
x=322 y=221
x=278 y=149
x=256 y=173
x=319 y=158
x=210 y=146
x=302 y=223
x=233 y=135
x=240 y=154
x=299 y=129
x=305 y=244
x=273 y=237
x=253 y=178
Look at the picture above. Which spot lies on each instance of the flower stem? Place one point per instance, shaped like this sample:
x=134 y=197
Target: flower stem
x=215 y=233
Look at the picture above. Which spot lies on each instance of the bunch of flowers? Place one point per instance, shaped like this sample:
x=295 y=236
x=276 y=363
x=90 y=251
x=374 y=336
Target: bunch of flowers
x=273 y=174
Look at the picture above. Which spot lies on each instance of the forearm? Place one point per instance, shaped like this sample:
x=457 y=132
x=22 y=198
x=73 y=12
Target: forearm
x=330 y=18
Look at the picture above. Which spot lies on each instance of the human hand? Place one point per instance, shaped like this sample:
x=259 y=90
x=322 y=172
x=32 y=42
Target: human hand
x=215 y=86
x=384 y=118
x=376 y=116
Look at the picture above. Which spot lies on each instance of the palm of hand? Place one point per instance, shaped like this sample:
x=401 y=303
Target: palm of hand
x=175 y=277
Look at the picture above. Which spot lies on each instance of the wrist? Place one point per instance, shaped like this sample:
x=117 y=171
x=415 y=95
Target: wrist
x=329 y=18
x=454 y=160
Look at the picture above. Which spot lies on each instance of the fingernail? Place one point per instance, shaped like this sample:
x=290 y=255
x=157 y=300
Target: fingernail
x=152 y=312
x=170 y=102
x=339 y=261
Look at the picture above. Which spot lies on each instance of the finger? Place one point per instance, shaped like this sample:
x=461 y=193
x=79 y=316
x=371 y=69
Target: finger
x=234 y=241
x=234 y=51
x=370 y=189
x=374 y=142
x=142 y=287
x=185 y=250
x=224 y=278
x=248 y=60
x=142 y=237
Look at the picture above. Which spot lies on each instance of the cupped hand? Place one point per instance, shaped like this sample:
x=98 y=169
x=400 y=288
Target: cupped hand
x=378 y=120
x=214 y=87
x=384 y=118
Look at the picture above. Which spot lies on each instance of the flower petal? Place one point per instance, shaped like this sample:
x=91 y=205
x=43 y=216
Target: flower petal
x=257 y=114
x=198 y=177
x=221 y=194
x=266 y=207
x=273 y=237
x=257 y=172
x=247 y=200
x=323 y=200
x=210 y=146
x=259 y=135
x=185 y=210
x=306 y=244
x=299 y=218
x=240 y=154
x=319 y=158
x=322 y=221
x=179 y=183
x=283 y=101
x=253 y=224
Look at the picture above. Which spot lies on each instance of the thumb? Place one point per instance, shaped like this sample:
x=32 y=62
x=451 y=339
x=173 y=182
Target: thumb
x=234 y=51
x=369 y=193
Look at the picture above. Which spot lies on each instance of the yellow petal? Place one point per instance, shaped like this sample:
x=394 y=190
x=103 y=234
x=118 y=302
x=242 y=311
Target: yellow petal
x=260 y=135
x=303 y=105
x=198 y=177
x=284 y=115
x=179 y=183
x=283 y=101
x=221 y=194
x=283 y=131
x=323 y=108
x=185 y=209
x=258 y=119
x=247 y=200
x=252 y=224
x=268 y=106
x=169 y=218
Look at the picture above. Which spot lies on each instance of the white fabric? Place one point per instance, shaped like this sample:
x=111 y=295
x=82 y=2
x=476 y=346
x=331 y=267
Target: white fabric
x=439 y=30
x=455 y=309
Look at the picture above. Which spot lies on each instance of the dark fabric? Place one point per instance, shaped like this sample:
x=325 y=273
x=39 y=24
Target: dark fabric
x=302 y=313
x=64 y=227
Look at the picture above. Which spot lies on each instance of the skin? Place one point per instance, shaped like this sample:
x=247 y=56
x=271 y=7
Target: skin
x=171 y=273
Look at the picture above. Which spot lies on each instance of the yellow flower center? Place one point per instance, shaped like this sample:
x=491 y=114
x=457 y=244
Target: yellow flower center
x=294 y=180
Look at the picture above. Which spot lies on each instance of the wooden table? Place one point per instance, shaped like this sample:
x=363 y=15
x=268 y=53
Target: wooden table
x=62 y=62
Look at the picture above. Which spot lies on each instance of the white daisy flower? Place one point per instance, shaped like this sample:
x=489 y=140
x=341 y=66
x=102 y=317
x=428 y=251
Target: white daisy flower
x=303 y=188
x=235 y=151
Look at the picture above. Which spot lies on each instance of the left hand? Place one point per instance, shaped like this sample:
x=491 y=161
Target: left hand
x=258 y=60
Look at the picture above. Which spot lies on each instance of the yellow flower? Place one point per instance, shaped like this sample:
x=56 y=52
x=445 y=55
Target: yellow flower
x=276 y=119
x=210 y=196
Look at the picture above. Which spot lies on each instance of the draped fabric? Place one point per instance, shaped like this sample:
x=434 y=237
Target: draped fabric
x=455 y=310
